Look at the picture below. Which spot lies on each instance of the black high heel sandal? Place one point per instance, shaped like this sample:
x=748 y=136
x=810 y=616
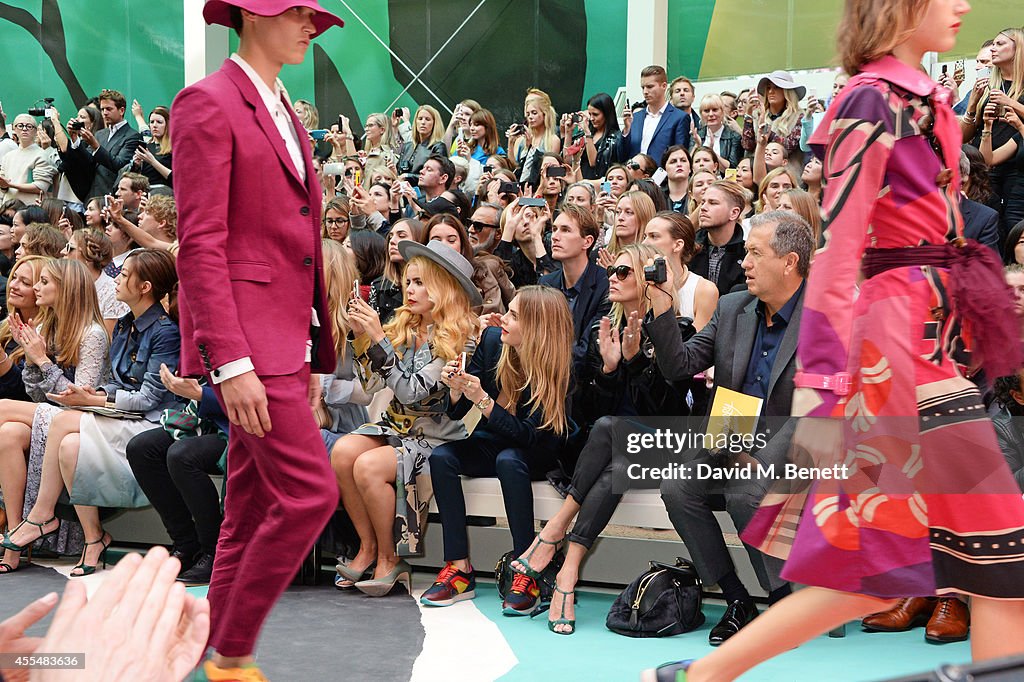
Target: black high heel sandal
x=106 y=540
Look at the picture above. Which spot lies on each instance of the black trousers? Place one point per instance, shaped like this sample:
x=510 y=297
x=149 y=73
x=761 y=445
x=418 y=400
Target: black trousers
x=175 y=475
x=591 y=483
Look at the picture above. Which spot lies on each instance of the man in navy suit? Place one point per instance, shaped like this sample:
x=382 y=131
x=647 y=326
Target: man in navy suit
x=981 y=222
x=656 y=127
x=112 y=147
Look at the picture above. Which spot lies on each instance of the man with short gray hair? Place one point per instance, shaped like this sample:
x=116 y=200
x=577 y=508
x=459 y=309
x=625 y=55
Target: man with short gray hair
x=758 y=330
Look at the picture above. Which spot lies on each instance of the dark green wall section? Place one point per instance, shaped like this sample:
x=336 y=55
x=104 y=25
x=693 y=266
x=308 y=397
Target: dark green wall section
x=688 y=24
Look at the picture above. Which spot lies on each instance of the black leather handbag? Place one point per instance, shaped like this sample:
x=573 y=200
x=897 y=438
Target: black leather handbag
x=664 y=601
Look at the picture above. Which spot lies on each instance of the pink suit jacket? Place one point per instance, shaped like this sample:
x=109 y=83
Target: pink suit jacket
x=250 y=263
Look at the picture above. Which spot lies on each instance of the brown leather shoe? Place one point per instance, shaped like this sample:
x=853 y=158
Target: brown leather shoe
x=909 y=612
x=951 y=622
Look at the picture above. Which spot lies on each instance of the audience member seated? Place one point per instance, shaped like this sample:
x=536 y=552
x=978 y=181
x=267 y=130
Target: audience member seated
x=657 y=126
x=173 y=464
x=42 y=239
x=811 y=178
x=705 y=159
x=715 y=134
x=154 y=159
x=678 y=165
x=519 y=381
x=489 y=273
x=369 y=250
x=93 y=249
x=85 y=451
x=386 y=290
x=633 y=211
x=699 y=182
x=377 y=465
x=158 y=223
x=602 y=137
x=427 y=140
x=804 y=205
x=623 y=377
x=674 y=236
x=772 y=186
x=528 y=256
x=719 y=255
x=20 y=304
x=782 y=116
x=583 y=283
x=751 y=340
x=25 y=173
x=1009 y=422
x=132 y=189
x=483 y=227
x=336 y=220
x=70 y=346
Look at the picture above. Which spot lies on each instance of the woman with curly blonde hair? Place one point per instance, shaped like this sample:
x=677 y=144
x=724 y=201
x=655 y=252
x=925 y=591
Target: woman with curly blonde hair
x=519 y=380
x=434 y=325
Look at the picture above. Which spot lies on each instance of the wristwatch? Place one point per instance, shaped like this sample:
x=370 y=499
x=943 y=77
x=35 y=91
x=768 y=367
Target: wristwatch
x=484 y=403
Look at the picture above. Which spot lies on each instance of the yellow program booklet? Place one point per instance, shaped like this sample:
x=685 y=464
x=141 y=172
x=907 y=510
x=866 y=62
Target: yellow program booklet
x=733 y=418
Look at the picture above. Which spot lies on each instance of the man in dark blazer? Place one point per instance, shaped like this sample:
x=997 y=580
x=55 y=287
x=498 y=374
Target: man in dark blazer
x=584 y=283
x=254 y=314
x=981 y=223
x=751 y=341
x=112 y=148
x=656 y=127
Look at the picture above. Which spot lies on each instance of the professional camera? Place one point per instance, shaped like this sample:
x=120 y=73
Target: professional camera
x=75 y=124
x=44 y=110
x=656 y=273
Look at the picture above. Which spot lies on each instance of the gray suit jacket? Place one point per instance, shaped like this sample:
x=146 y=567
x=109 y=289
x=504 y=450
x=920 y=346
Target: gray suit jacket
x=114 y=153
x=726 y=343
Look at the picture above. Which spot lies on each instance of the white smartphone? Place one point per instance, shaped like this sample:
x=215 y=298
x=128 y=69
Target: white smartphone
x=355 y=289
x=983 y=74
x=462 y=362
x=659 y=176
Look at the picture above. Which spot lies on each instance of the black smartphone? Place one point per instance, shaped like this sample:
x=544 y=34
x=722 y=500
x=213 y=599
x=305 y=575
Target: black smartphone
x=945 y=69
x=76 y=125
x=398 y=112
x=341 y=123
x=555 y=172
x=530 y=201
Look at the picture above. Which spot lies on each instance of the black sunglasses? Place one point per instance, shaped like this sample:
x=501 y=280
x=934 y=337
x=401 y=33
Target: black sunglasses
x=477 y=226
x=633 y=165
x=620 y=271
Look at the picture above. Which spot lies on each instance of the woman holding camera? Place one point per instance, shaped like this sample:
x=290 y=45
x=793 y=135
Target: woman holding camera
x=622 y=379
x=528 y=141
x=153 y=159
x=601 y=132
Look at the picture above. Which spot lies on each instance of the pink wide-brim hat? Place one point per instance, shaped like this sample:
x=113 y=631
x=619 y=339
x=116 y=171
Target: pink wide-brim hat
x=219 y=11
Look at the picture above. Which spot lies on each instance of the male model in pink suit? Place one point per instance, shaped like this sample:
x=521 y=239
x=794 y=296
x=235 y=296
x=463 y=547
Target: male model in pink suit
x=252 y=299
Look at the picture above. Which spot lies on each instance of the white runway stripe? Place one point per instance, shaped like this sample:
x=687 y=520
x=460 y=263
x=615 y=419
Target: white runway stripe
x=460 y=643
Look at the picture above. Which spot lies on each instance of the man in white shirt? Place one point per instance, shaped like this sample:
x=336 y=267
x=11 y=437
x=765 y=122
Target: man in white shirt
x=250 y=295
x=24 y=172
x=658 y=126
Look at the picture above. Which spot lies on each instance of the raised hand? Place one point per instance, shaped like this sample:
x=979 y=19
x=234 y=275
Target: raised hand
x=609 y=345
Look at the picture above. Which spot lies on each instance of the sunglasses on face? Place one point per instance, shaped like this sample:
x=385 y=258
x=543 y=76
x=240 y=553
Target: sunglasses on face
x=620 y=271
x=633 y=165
x=477 y=226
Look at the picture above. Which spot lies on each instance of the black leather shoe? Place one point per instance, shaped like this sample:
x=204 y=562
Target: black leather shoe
x=200 y=572
x=187 y=557
x=737 y=614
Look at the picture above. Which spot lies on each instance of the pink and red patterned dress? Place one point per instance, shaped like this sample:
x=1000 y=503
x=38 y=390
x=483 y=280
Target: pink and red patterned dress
x=929 y=505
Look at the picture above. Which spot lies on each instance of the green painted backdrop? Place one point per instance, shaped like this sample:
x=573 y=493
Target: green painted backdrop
x=72 y=49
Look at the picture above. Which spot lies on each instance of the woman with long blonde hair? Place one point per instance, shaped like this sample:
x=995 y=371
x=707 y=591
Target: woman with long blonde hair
x=21 y=301
x=770 y=189
x=342 y=392
x=518 y=379
x=380 y=145
x=434 y=325
x=427 y=139
x=70 y=346
x=611 y=393
x=933 y=522
x=633 y=211
x=527 y=143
